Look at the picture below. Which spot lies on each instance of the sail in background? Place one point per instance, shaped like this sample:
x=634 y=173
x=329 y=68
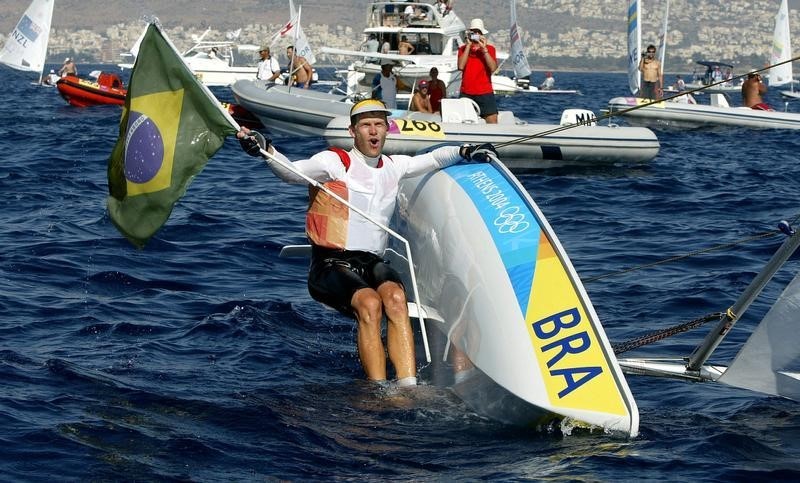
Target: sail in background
x=662 y=37
x=781 y=49
x=521 y=67
x=294 y=31
x=26 y=46
x=634 y=46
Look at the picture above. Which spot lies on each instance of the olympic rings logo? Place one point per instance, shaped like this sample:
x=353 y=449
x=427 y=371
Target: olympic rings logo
x=511 y=220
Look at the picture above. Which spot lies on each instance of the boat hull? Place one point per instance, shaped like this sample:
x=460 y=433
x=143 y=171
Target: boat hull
x=84 y=93
x=697 y=115
x=487 y=260
x=582 y=145
x=289 y=110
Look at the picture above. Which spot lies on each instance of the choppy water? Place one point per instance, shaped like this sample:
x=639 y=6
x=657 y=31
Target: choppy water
x=203 y=358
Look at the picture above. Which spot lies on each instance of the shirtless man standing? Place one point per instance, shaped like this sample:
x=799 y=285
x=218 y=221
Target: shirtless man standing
x=652 y=77
x=752 y=90
x=301 y=69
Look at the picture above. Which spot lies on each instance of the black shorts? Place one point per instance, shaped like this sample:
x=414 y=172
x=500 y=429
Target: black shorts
x=486 y=102
x=335 y=275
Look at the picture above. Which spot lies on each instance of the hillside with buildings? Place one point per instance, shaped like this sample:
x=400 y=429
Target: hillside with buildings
x=558 y=34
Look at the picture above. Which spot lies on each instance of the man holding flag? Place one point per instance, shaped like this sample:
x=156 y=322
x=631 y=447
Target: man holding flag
x=348 y=271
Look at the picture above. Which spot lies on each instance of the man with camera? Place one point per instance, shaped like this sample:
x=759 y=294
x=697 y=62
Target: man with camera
x=477 y=60
x=652 y=76
x=753 y=89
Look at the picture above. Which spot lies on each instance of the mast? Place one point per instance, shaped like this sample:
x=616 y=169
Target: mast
x=634 y=46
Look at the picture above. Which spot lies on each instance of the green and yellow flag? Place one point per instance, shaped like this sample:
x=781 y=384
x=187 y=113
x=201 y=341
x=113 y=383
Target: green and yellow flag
x=170 y=127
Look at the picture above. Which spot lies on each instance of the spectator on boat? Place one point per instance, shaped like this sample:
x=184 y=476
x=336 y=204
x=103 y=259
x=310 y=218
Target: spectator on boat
x=652 y=76
x=752 y=91
x=405 y=47
x=423 y=47
x=370 y=45
x=300 y=71
x=680 y=85
x=385 y=85
x=728 y=77
x=436 y=90
x=386 y=47
x=408 y=14
x=421 y=101
x=269 y=68
x=477 y=60
x=549 y=82
x=347 y=270
x=716 y=74
x=69 y=68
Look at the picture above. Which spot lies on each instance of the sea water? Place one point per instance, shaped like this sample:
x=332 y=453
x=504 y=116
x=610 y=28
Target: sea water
x=202 y=357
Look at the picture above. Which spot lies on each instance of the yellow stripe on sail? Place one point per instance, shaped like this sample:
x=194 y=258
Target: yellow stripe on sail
x=574 y=369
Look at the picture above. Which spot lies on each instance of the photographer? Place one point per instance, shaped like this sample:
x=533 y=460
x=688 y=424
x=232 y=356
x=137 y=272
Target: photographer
x=752 y=91
x=477 y=61
x=652 y=77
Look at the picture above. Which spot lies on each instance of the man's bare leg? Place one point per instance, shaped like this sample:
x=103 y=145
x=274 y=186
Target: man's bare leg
x=400 y=337
x=367 y=306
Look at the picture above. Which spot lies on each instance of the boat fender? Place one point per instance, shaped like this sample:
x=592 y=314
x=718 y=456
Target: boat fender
x=578 y=116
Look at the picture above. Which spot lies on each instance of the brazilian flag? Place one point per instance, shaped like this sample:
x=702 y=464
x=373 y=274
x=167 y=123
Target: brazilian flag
x=171 y=125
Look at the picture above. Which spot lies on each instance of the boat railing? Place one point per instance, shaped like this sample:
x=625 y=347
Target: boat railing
x=394 y=14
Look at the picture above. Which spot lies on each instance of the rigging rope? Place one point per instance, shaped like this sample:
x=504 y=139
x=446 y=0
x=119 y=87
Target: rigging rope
x=766 y=234
x=622 y=112
x=656 y=336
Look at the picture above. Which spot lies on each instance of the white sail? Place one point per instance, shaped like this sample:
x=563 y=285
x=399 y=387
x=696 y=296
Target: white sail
x=662 y=37
x=26 y=46
x=518 y=57
x=781 y=49
x=770 y=360
x=294 y=31
x=634 y=46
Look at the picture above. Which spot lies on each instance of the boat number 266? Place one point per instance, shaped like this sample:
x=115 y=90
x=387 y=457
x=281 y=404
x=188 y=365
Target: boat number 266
x=415 y=127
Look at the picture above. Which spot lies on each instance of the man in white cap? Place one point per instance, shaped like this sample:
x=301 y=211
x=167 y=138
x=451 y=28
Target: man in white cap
x=268 y=68
x=477 y=60
x=69 y=68
x=348 y=271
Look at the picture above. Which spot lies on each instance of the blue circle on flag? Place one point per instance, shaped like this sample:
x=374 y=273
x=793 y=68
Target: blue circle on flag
x=144 y=149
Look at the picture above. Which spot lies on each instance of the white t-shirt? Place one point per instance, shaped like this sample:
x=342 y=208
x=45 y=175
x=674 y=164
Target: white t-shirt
x=267 y=68
x=389 y=91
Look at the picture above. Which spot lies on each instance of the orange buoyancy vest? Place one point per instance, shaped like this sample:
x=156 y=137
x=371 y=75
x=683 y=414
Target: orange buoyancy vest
x=331 y=224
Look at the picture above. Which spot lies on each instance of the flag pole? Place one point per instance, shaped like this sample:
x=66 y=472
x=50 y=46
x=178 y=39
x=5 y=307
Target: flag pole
x=289 y=166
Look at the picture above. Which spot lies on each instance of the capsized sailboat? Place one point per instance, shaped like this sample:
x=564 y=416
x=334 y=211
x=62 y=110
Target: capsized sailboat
x=501 y=292
x=26 y=46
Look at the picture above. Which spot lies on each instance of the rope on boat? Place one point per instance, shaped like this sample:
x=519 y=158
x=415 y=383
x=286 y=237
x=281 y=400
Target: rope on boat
x=622 y=112
x=664 y=333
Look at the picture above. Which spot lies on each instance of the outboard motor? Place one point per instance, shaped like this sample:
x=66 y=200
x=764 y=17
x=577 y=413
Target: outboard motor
x=578 y=116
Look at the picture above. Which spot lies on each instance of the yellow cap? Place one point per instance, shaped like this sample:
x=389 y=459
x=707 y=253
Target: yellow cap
x=368 y=105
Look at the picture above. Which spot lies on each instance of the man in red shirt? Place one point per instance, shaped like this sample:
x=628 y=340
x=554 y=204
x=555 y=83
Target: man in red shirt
x=477 y=60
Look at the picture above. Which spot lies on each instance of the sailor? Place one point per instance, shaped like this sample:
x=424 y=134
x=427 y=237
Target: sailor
x=752 y=91
x=69 y=68
x=348 y=271
x=269 y=68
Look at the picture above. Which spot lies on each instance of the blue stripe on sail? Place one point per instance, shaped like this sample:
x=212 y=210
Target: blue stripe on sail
x=28 y=28
x=514 y=229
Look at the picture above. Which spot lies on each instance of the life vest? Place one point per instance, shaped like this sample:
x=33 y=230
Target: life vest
x=331 y=224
